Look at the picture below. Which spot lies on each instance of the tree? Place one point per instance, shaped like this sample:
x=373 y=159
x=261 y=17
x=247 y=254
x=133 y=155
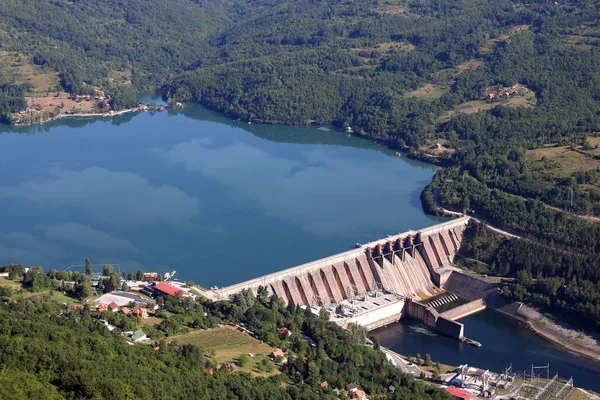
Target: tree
x=243 y=360
x=427 y=360
x=125 y=287
x=324 y=314
x=190 y=284
x=139 y=275
x=108 y=270
x=130 y=276
x=83 y=290
x=88 y=266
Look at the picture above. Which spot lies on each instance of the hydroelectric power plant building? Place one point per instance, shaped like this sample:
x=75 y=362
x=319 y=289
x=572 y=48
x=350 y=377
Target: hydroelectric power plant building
x=379 y=282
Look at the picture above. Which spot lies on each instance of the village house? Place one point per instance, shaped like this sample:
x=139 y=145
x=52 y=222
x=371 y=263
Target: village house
x=138 y=335
x=284 y=332
x=277 y=353
x=351 y=388
x=113 y=307
x=140 y=312
x=231 y=367
x=125 y=310
x=324 y=385
x=102 y=307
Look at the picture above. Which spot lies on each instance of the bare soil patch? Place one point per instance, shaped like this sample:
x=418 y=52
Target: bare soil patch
x=63 y=102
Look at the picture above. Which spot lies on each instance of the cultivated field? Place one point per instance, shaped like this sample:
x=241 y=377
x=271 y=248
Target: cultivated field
x=227 y=342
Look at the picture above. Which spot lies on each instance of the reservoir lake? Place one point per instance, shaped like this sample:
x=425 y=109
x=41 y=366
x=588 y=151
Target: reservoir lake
x=216 y=200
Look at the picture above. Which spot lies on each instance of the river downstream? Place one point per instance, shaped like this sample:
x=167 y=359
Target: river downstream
x=504 y=340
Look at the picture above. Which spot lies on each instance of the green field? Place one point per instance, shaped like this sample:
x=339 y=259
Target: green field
x=227 y=342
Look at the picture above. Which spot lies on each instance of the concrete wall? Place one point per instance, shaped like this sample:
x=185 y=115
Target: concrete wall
x=421 y=312
x=430 y=317
x=407 y=272
x=450 y=328
x=380 y=317
x=465 y=310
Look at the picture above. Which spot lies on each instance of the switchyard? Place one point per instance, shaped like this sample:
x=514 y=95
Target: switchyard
x=535 y=383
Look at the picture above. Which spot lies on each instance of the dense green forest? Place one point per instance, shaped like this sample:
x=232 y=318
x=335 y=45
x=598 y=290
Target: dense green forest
x=556 y=278
x=52 y=352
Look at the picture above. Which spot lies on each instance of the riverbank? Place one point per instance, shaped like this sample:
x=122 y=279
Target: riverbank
x=558 y=333
x=471 y=287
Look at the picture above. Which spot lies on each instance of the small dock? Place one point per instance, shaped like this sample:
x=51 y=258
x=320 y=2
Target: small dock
x=470 y=341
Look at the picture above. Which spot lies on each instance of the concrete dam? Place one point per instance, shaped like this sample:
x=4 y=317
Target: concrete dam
x=410 y=264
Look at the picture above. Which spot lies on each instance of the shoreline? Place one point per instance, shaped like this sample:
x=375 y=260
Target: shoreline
x=94 y=115
x=563 y=337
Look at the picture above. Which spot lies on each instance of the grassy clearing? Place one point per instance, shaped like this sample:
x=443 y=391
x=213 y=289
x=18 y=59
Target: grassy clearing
x=527 y=99
x=489 y=45
x=15 y=285
x=469 y=65
x=227 y=343
x=429 y=91
x=578 y=394
x=151 y=321
x=559 y=162
x=18 y=68
x=391 y=9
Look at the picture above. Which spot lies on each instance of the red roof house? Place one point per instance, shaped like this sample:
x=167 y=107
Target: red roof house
x=113 y=307
x=231 y=367
x=459 y=393
x=167 y=289
x=140 y=312
x=125 y=310
x=102 y=308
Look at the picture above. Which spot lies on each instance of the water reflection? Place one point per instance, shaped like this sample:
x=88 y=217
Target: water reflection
x=119 y=198
x=318 y=189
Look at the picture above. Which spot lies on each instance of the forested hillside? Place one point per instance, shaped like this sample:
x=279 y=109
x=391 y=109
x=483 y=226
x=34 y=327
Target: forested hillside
x=51 y=352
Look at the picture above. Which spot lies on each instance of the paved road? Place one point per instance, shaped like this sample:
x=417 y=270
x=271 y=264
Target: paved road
x=403 y=365
x=478 y=218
